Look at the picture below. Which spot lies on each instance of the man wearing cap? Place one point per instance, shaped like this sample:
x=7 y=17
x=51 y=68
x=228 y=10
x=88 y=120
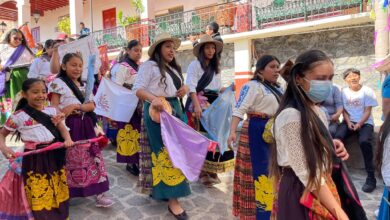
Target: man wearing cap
x=358 y=101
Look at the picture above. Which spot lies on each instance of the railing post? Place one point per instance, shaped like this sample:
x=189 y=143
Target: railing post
x=305 y=9
x=361 y=6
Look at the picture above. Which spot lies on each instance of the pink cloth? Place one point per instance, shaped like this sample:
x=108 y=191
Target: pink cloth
x=13 y=198
x=186 y=147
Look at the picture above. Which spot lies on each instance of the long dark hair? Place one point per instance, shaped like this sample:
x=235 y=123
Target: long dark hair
x=383 y=133
x=261 y=64
x=318 y=151
x=7 y=38
x=130 y=45
x=48 y=44
x=157 y=57
x=214 y=62
x=65 y=60
x=23 y=101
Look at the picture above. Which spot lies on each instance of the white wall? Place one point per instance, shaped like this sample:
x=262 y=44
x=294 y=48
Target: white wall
x=162 y=6
x=99 y=6
x=48 y=22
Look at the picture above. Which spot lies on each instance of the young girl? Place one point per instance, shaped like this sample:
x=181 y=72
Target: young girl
x=84 y=166
x=40 y=67
x=204 y=79
x=43 y=174
x=259 y=99
x=161 y=77
x=127 y=134
x=301 y=159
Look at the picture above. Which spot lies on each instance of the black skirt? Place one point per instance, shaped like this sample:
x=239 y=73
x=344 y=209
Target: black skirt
x=45 y=184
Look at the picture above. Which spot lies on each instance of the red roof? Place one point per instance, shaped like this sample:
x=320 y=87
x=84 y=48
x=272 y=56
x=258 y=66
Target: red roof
x=9 y=11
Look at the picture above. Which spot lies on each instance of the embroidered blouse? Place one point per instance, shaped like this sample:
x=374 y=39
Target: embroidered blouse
x=255 y=97
x=290 y=152
x=195 y=72
x=67 y=97
x=149 y=78
x=6 y=51
x=125 y=74
x=30 y=130
x=40 y=68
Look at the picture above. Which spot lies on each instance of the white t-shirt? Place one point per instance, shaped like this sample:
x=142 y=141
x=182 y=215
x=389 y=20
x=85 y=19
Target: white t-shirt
x=355 y=103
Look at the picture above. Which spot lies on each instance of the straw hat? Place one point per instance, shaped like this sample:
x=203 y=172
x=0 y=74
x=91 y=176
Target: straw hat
x=164 y=36
x=207 y=39
x=155 y=114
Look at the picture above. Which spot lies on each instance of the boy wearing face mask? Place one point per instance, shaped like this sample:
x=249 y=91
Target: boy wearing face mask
x=358 y=101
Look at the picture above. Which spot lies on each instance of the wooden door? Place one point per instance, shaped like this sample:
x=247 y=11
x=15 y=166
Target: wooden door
x=109 y=18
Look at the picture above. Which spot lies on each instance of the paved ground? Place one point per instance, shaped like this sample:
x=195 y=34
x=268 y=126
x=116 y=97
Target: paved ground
x=204 y=203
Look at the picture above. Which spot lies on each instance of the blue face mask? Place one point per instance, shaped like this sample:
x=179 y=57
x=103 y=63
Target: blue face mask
x=319 y=90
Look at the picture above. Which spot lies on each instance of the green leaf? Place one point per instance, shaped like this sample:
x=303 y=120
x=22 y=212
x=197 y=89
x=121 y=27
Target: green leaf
x=64 y=25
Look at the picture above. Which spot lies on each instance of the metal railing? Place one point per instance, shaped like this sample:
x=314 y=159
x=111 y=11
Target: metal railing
x=277 y=12
x=232 y=17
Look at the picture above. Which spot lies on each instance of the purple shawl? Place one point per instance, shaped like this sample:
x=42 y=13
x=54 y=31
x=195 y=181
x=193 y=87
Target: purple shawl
x=3 y=74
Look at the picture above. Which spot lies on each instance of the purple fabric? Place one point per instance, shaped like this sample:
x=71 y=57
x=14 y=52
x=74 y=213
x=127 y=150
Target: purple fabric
x=14 y=57
x=186 y=147
x=85 y=169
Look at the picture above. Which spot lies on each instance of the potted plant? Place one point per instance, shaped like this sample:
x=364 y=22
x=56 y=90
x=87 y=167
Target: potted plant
x=134 y=29
x=225 y=14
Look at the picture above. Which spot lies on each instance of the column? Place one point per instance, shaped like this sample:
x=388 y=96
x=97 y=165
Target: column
x=382 y=36
x=76 y=15
x=242 y=63
x=24 y=11
x=148 y=13
x=147 y=17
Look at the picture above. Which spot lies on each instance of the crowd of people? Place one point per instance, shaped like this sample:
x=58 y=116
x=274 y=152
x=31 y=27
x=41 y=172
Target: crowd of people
x=289 y=155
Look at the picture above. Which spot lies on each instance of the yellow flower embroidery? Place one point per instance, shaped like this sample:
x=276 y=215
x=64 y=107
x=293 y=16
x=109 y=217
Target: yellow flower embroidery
x=264 y=193
x=163 y=170
x=127 y=140
x=46 y=191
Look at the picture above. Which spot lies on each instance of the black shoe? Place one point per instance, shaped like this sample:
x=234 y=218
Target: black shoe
x=181 y=216
x=370 y=185
x=133 y=169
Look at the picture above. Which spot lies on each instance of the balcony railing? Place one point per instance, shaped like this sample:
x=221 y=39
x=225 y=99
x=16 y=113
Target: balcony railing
x=232 y=17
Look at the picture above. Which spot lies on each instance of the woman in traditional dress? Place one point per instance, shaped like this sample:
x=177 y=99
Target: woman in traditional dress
x=40 y=67
x=259 y=99
x=159 y=83
x=127 y=134
x=204 y=81
x=15 y=58
x=301 y=158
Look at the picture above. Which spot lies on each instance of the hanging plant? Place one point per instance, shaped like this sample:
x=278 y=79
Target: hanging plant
x=64 y=25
